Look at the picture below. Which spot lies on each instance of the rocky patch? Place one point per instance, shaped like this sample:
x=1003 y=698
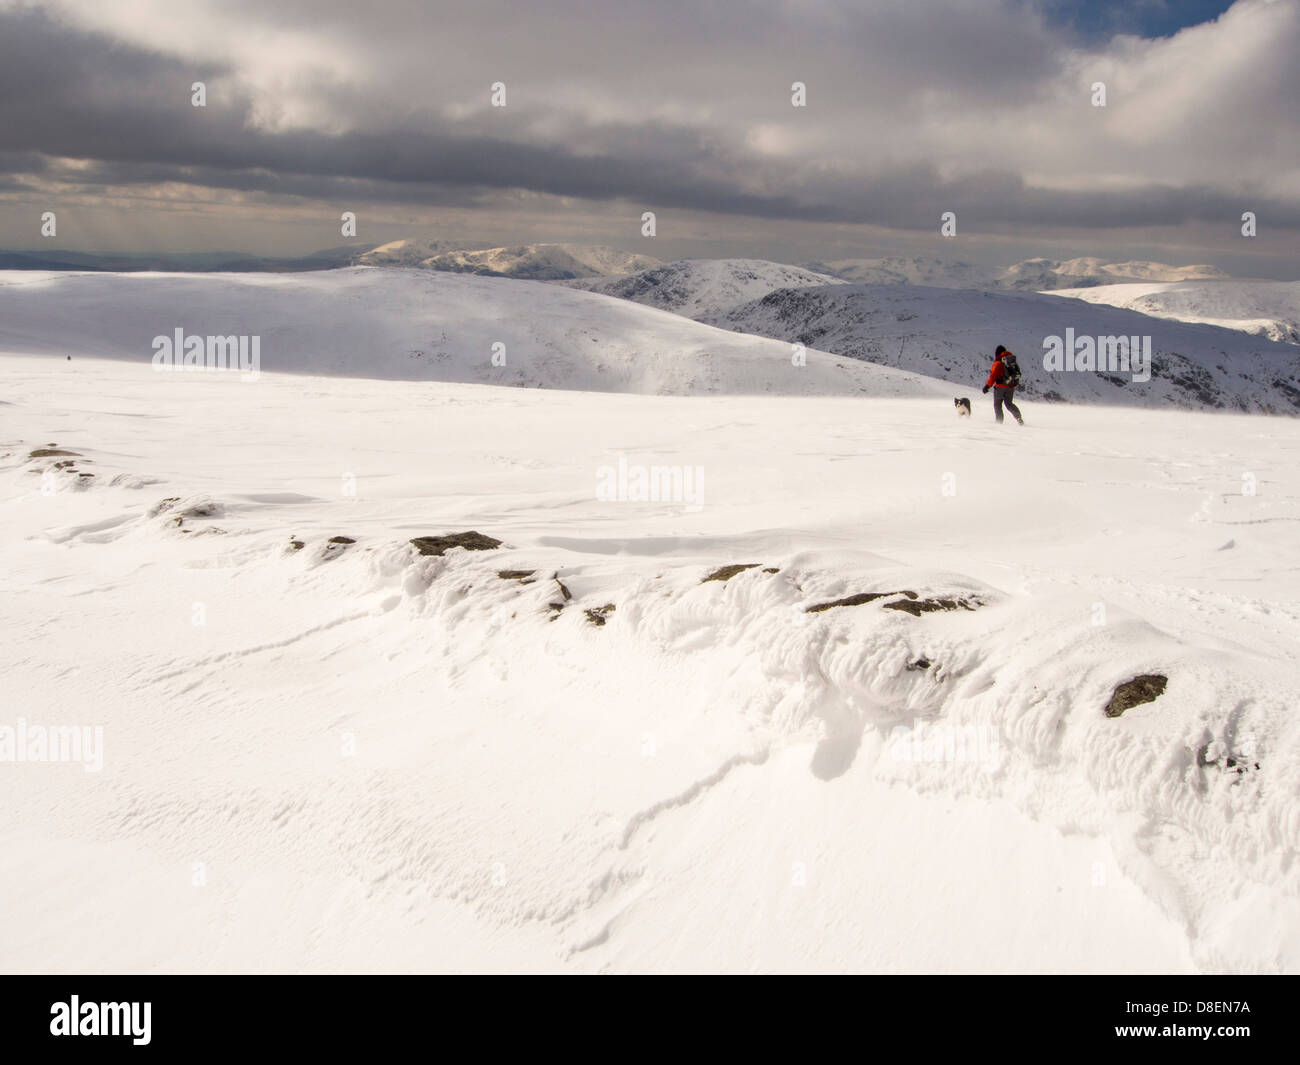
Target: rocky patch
x=470 y=541
x=727 y=572
x=1142 y=689
x=597 y=615
x=917 y=607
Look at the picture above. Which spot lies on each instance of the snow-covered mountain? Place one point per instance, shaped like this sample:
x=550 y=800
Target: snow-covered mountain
x=424 y=326
x=1028 y=275
x=1040 y=274
x=534 y=262
x=1269 y=309
x=700 y=287
x=903 y=270
x=408 y=252
x=951 y=333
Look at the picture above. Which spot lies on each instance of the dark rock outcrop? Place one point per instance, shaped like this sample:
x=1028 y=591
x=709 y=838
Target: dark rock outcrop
x=1142 y=689
x=470 y=541
x=727 y=572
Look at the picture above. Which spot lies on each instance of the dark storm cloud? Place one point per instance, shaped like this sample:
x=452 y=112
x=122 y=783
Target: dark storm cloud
x=124 y=111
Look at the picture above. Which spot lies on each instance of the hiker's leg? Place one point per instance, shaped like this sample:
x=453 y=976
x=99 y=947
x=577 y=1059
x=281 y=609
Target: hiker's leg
x=1015 y=411
x=998 y=395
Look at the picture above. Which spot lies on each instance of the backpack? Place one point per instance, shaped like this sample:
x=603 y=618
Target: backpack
x=1010 y=371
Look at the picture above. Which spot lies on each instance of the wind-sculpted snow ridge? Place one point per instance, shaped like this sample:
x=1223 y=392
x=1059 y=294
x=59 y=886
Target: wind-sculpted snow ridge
x=951 y=334
x=422 y=326
x=850 y=662
x=1000 y=702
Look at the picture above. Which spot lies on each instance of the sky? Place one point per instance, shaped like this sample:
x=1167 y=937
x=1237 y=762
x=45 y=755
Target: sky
x=913 y=108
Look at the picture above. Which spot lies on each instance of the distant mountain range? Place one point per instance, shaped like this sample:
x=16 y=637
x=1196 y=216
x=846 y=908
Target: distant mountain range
x=648 y=280
x=1034 y=275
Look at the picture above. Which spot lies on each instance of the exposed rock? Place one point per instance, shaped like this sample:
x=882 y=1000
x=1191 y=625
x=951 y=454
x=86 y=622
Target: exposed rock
x=917 y=607
x=854 y=600
x=470 y=541
x=1142 y=689
x=563 y=590
x=920 y=663
x=341 y=540
x=520 y=575
x=727 y=572
x=52 y=452
x=597 y=615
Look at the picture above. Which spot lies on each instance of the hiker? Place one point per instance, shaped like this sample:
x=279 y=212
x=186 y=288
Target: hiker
x=1003 y=379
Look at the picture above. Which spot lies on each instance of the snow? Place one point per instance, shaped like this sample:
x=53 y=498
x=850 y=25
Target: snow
x=422 y=326
x=1035 y=274
x=1269 y=309
x=904 y=270
x=365 y=759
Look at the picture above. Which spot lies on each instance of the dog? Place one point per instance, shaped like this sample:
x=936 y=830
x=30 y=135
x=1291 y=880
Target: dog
x=963 y=407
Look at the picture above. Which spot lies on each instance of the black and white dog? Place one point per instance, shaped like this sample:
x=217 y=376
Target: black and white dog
x=963 y=407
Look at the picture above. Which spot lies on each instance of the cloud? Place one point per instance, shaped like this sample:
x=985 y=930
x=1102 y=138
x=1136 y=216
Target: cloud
x=982 y=107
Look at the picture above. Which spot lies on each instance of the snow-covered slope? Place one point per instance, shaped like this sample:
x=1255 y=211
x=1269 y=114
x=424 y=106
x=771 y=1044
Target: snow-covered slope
x=1269 y=309
x=700 y=287
x=903 y=270
x=324 y=751
x=951 y=333
x=424 y=326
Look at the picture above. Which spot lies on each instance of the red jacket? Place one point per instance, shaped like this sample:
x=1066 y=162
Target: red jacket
x=997 y=373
